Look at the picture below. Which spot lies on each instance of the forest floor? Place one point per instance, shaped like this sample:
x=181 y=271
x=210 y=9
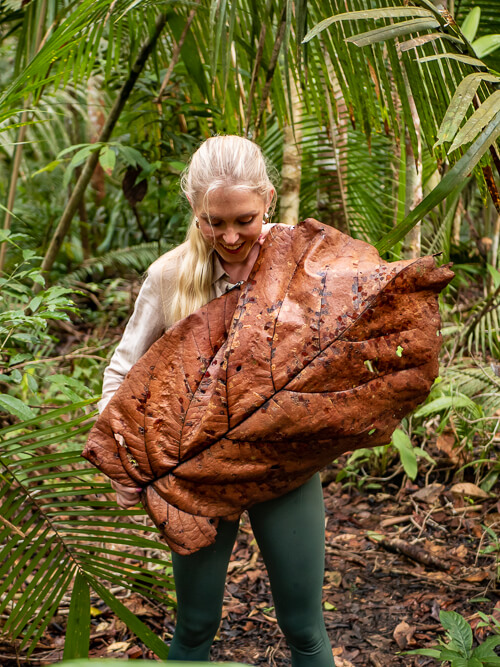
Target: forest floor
x=377 y=601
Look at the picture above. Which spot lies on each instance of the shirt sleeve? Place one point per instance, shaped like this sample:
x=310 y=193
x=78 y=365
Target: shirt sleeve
x=145 y=326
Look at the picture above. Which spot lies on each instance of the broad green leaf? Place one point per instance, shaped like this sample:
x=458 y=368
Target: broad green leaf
x=76 y=644
x=431 y=652
x=16 y=407
x=479 y=119
x=471 y=23
x=444 y=403
x=386 y=12
x=495 y=274
x=408 y=458
x=475 y=662
x=460 y=103
x=48 y=168
x=80 y=156
x=486 y=44
x=453 y=179
x=425 y=455
x=485 y=650
x=69 y=149
x=458 y=629
x=107 y=160
x=394 y=30
x=34 y=303
x=151 y=640
x=454 y=654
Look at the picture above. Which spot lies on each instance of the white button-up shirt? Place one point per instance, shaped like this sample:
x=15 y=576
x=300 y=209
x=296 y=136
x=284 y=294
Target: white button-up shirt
x=151 y=317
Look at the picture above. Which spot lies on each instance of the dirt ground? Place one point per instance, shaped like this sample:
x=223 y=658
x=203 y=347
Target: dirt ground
x=377 y=602
x=394 y=559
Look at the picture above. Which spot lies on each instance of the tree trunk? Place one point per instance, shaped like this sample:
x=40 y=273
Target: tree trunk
x=14 y=175
x=332 y=199
x=414 y=188
x=292 y=163
x=88 y=170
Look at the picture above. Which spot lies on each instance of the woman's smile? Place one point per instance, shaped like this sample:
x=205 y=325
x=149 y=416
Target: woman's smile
x=231 y=220
x=232 y=248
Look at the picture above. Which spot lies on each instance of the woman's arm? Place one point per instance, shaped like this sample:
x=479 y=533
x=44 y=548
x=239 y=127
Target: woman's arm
x=145 y=326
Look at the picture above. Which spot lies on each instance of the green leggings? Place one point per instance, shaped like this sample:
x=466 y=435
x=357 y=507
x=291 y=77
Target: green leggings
x=290 y=532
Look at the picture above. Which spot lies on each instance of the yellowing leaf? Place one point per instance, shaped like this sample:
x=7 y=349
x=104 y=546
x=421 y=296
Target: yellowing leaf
x=468 y=489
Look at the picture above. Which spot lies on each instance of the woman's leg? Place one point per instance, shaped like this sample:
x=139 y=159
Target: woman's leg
x=290 y=532
x=199 y=583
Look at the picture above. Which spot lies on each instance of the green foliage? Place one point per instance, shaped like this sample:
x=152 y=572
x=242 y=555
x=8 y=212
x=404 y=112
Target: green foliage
x=24 y=327
x=355 y=118
x=364 y=463
x=458 y=651
x=58 y=527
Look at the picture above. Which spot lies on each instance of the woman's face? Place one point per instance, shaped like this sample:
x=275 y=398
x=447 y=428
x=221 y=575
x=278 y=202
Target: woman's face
x=233 y=222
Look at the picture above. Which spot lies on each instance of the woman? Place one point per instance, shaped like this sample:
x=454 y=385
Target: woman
x=229 y=189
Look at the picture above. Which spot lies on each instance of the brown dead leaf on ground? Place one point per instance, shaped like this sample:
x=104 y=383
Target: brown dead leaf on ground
x=445 y=443
x=468 y=489
x=429 y=494
x=403 y=634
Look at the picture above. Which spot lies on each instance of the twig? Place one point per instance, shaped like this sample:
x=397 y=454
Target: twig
x=414 y=552
x=11 y=526
x=272 y=66
x=62 y=357
x=92 y=160
x=177 y=52
x=256 y=67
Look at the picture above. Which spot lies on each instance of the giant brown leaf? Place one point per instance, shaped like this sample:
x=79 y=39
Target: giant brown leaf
x=324 y=349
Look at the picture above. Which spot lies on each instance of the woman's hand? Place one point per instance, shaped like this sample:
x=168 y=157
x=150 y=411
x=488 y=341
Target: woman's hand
x=126 y=496
x=266 y=227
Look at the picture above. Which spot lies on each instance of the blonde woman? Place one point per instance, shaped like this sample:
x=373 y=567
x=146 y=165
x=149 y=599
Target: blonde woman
x=229 y=189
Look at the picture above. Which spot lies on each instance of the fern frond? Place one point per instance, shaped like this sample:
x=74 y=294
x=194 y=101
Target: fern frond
x=57 y=521
x=121 y=261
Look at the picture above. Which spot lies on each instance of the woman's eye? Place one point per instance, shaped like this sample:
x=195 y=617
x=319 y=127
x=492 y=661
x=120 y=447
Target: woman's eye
x=246 y=221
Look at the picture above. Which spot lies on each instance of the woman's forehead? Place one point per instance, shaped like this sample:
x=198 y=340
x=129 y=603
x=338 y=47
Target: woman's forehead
x=235 y=200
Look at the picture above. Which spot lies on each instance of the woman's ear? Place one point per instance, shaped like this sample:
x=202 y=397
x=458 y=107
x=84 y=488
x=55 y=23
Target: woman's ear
x=272 y=192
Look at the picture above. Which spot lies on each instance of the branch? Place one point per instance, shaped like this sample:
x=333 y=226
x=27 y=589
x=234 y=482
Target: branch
x=177 y=52
x=90 y=165
x=272 y=66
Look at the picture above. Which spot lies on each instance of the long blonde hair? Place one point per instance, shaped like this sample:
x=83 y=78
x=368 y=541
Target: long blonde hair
x=223 y=161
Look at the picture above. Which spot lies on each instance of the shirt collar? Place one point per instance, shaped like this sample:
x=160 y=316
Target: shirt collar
x=219 y=271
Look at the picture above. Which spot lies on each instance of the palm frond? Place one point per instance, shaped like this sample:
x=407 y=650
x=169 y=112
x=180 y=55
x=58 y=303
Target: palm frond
x=423 y=64
x=124 y=260
x=57 y=521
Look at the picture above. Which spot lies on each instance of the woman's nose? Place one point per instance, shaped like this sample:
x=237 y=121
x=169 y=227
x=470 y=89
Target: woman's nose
x=230 y=236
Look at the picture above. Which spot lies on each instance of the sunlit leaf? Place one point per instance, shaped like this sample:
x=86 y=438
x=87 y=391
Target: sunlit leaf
x=394 y=30
x=486 y=44
x=460 y=103
x=479 y=119
x=386 y=12
x=471 y=23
